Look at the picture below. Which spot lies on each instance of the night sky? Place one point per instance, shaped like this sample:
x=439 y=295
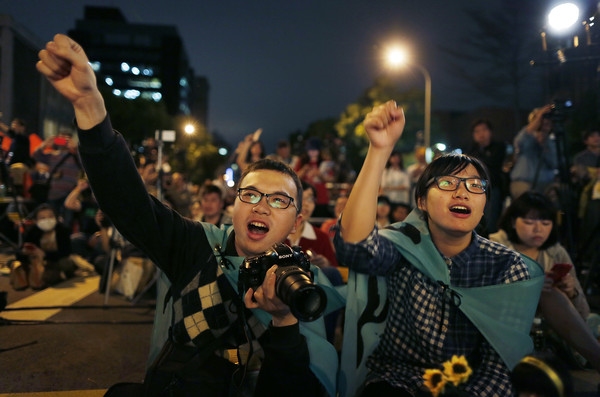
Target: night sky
x=280 y=65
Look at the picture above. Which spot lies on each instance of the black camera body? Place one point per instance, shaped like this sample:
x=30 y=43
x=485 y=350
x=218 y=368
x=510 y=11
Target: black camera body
x=293 y=283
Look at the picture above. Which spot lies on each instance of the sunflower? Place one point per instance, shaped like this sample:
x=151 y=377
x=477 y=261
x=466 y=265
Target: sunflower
x=457 y=370
x=435 y=381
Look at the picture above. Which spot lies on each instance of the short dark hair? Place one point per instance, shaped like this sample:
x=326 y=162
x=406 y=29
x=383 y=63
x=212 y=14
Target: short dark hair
x=20 y=121
x=588 y=133
x=43 y=207
x=447 y=165
x=208 y=189
x=308 y=186
x=396 y=153
x=276 y=165
x=282 y=143
x=529 y=203
x=477 y=122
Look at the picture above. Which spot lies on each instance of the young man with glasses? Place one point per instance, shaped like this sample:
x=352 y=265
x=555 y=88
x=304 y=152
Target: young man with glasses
x=446 y=286
x=200 y=260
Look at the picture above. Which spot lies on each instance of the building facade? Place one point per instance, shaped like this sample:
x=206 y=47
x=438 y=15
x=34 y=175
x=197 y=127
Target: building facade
x=141 y=61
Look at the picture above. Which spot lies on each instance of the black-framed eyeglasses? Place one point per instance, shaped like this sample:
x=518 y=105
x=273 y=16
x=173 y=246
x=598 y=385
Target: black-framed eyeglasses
x=450 y=183
x=275 y=200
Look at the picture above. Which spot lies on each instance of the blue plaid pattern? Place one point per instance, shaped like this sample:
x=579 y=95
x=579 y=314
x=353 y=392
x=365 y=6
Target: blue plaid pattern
x=423 y=327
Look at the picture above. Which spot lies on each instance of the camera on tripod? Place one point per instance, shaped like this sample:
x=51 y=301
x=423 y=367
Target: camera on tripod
x=293 y=284
x=560 y=110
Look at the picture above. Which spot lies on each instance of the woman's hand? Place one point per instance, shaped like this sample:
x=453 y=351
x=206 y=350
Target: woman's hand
x=567 y=285
x=384 y=125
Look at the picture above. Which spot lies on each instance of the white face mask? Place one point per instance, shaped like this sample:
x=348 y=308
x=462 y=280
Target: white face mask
x=46 y=224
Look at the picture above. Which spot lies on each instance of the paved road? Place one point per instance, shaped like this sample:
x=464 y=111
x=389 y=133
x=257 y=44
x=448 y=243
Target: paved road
x=78 y=349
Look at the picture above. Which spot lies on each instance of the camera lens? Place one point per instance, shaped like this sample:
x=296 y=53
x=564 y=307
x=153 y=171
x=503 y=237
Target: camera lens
x=307 y=301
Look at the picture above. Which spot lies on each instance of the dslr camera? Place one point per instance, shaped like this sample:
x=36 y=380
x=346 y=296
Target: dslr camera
x=293 y=280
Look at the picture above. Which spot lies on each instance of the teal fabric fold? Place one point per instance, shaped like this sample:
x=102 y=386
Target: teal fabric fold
x=323 y=356
x=503 y=313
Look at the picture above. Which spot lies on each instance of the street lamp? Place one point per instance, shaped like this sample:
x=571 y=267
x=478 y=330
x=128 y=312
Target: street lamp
x=398 y=57
x=189 y=128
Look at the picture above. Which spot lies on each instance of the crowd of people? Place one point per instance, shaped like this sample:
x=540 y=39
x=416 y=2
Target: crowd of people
x=464 y=250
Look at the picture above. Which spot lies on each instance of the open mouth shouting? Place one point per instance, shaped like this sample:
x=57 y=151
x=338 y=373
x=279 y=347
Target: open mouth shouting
x=460 y=210
x=257 y=229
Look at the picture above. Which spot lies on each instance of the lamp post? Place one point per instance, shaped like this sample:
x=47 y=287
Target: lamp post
x=398 y=57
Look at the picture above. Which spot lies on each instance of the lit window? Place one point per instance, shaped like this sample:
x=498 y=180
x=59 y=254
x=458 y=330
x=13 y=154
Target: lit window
x=108 y=81
x=125 y=67
x=131 y=94
x=135 y=70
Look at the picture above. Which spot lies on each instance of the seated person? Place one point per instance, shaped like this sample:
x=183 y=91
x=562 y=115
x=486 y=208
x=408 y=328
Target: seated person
x=211 y=205
x=326 y=226
x=318 y=247
x=528 y=226
x=384 y=208
x=84 y=206
x=312 y=240
x=46 y=250
x=435 y=266
x=400 y=212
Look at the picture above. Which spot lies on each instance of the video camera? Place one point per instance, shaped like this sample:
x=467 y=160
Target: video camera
x=293 y=284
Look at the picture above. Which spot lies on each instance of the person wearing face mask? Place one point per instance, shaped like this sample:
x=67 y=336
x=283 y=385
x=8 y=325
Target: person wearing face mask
x=46 y=250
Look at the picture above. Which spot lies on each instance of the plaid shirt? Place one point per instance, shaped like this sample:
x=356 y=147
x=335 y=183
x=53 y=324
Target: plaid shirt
x=423 y=327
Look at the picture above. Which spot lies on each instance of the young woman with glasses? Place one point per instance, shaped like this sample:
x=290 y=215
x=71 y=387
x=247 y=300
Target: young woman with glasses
x=430 y=265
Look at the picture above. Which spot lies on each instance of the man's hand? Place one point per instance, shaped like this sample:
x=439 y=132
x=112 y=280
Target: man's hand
x=384 y=125
x=266 y=299
x=65 y=65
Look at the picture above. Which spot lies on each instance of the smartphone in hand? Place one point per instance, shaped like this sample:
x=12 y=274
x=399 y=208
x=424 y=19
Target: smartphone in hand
x=559 y=270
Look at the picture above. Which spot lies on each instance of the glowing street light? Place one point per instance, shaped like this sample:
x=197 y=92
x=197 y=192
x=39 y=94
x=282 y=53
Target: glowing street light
x=563 y=17
x=398 y=57
x=189 y=129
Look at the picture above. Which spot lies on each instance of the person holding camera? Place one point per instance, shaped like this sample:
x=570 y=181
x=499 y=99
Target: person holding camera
x=450 y=292
x=199 y=259
x=536 y=160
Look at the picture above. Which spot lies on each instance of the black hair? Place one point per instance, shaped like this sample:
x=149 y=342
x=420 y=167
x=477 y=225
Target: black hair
x=396 y=153
x=308 y=186
x=450 y=164
x=20 y=121
x=262 y=150
x=275 y=165
x=534 y=204
x=384 y=199
x=43 y=207
x=282 y=143
x=477 y=122
x=587 y=133
x=208 y=189
x=542 y=374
